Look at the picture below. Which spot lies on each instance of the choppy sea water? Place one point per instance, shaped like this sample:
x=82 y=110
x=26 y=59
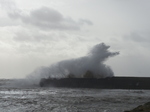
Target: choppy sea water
x=48 y=99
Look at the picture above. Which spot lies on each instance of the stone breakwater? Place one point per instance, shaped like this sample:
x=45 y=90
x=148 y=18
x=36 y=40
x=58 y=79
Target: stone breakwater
x=101 y=83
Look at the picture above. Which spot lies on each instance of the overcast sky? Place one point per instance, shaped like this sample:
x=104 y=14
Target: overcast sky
x=37 y=33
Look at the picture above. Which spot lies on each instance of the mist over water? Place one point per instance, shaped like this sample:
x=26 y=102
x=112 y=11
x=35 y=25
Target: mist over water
x=93 y=61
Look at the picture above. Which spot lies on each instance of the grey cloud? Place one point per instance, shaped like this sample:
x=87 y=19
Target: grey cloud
x=84 y=21
x=32 y=36
x=47 y=18
x=7 y=4
x=139 y=37
x=15 y=14
x=47 y=15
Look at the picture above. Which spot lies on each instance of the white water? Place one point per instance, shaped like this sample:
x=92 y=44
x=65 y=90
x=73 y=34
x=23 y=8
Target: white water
x=28 y=99
x=93 y=61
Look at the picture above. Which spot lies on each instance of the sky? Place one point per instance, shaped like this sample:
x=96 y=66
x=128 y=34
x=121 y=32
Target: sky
x=42 y=32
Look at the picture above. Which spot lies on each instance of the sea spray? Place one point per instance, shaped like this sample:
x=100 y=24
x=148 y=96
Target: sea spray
x=94 y=62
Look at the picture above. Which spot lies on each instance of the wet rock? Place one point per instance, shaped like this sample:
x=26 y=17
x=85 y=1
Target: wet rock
x=141 y=108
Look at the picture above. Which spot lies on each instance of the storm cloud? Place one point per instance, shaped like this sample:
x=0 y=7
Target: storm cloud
x=48 y=18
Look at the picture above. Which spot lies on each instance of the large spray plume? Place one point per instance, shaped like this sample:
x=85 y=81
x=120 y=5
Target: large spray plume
x=93 y=62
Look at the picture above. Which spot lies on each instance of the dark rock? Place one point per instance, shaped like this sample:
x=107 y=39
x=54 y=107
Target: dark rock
x=141 y=108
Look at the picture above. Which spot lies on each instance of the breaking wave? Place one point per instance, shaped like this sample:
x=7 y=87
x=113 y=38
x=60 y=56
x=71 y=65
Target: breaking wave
x=93 y=62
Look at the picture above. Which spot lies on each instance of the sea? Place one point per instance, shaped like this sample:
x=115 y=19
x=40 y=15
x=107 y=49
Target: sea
x=51 y=99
